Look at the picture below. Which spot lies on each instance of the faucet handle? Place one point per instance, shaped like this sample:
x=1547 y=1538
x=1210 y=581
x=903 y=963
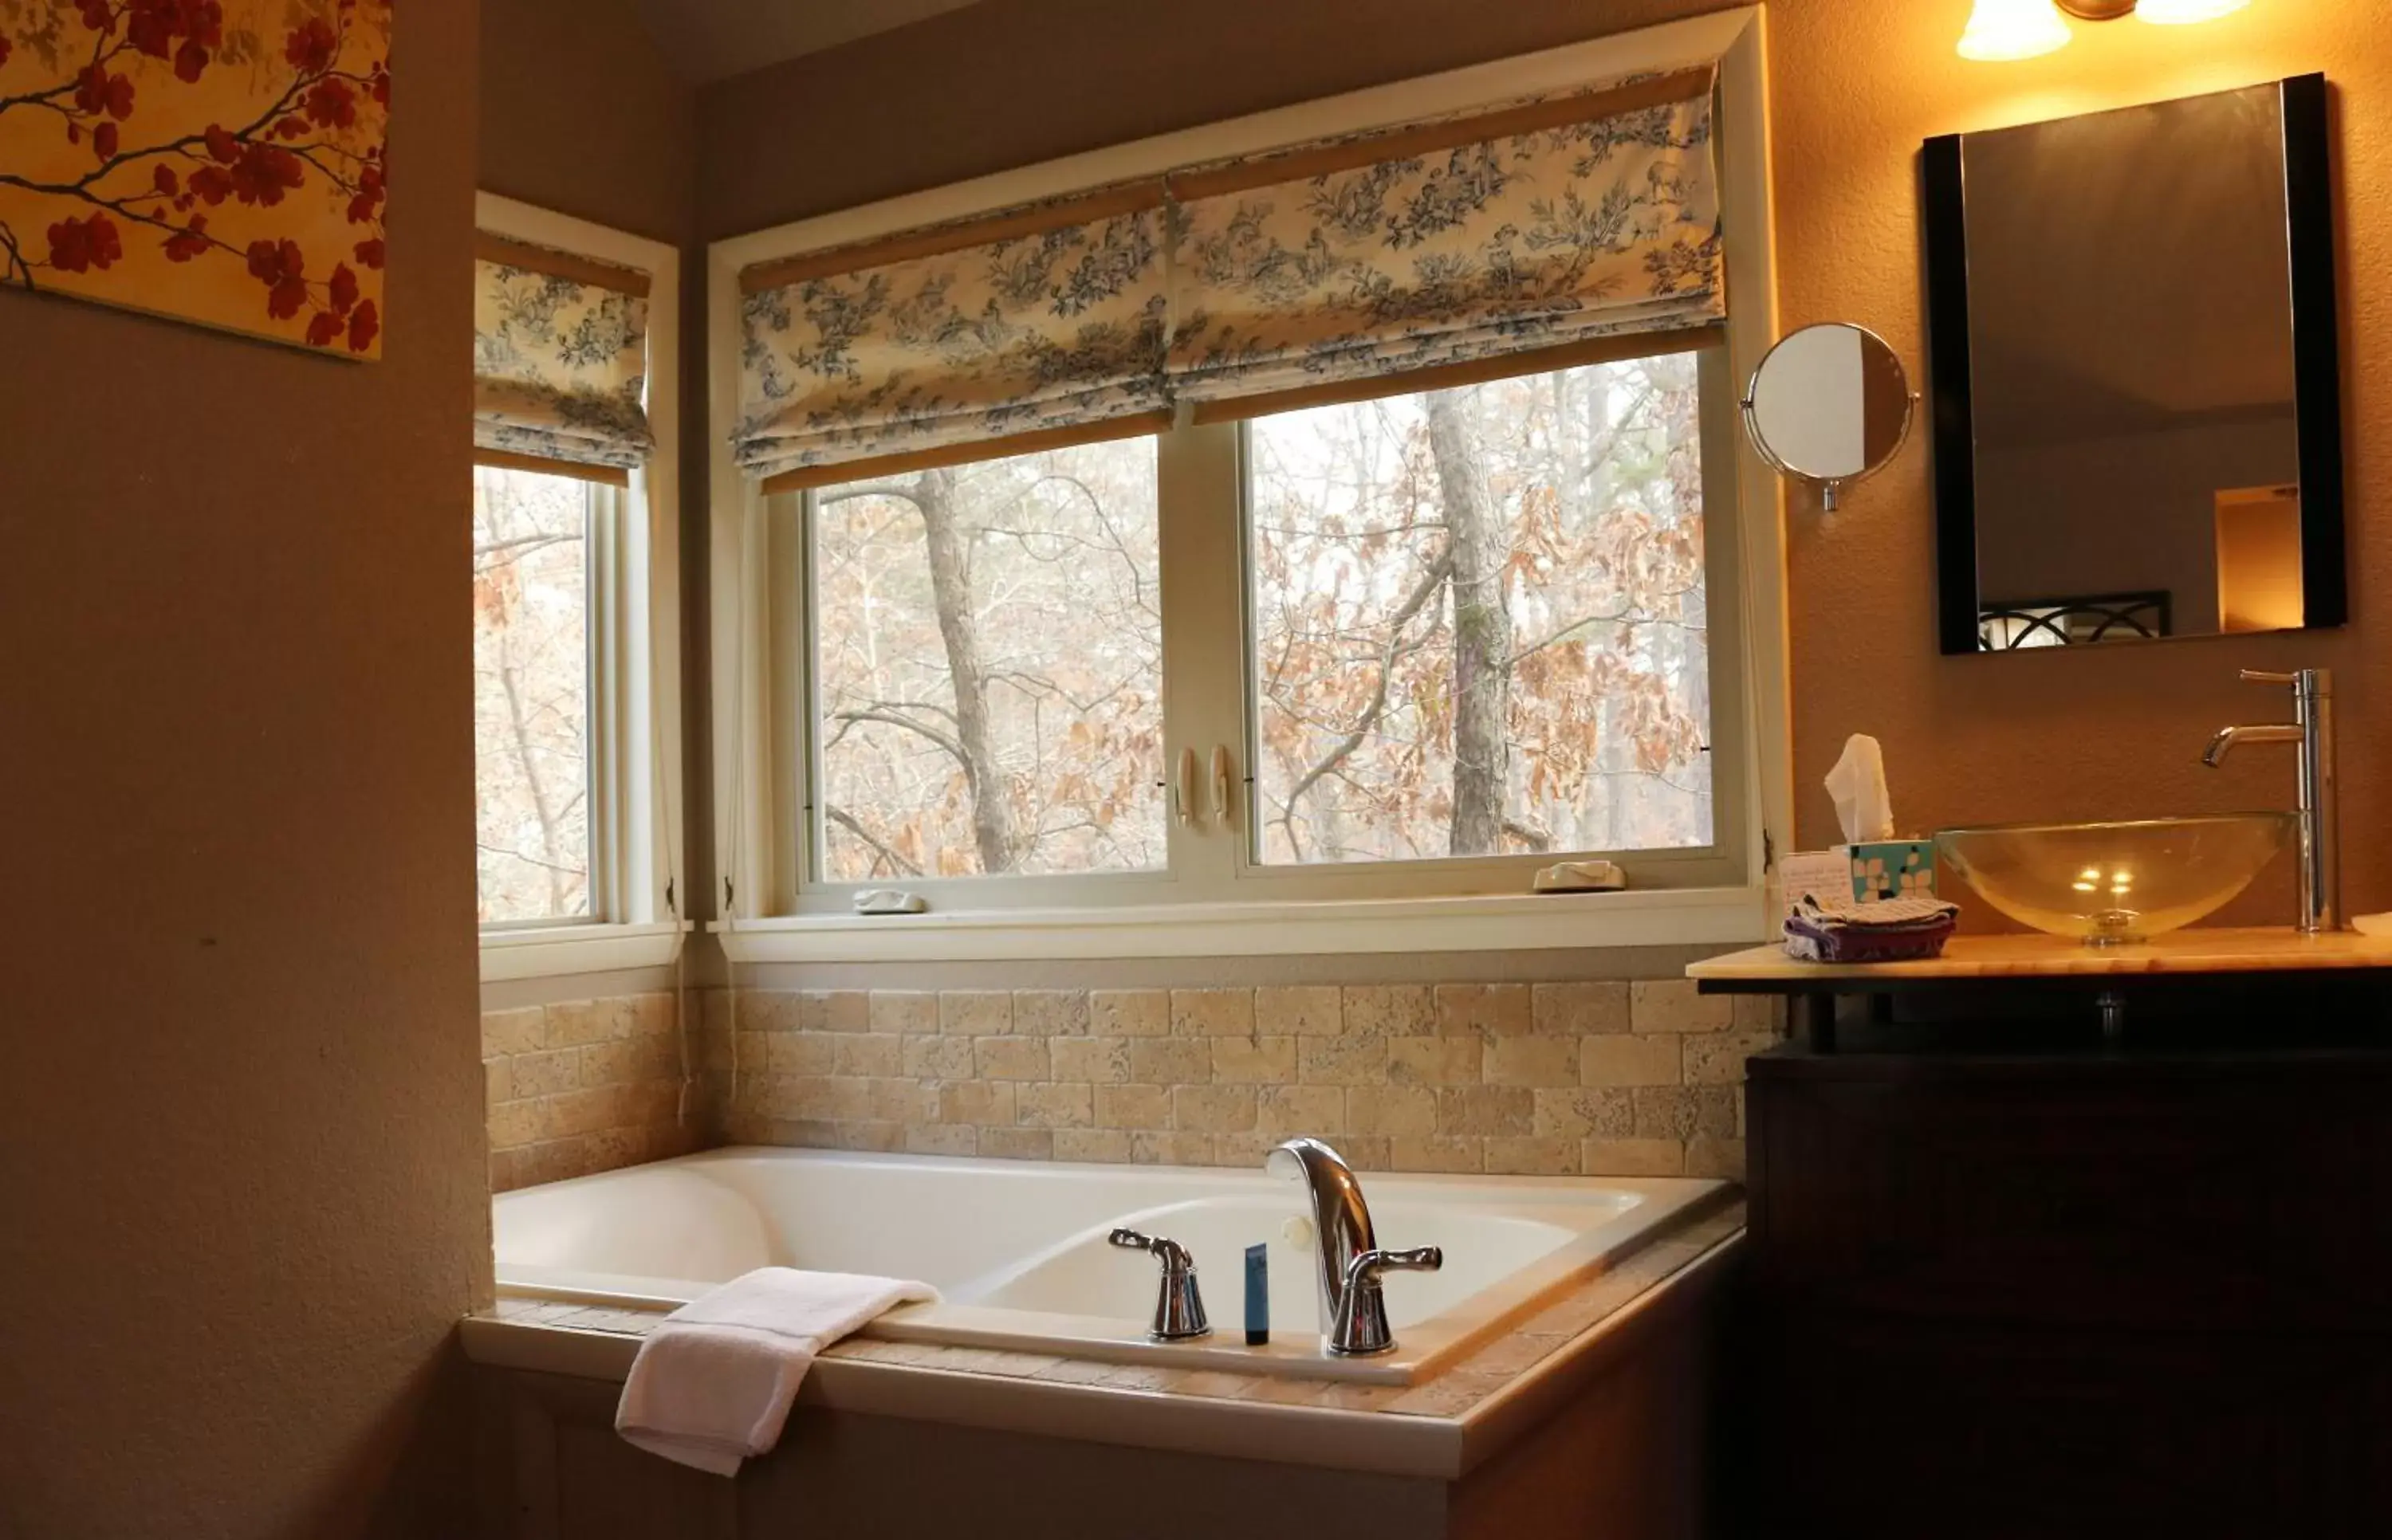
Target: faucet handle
x=2307 y=683
x=1179 y=1307
x=1367 y=1265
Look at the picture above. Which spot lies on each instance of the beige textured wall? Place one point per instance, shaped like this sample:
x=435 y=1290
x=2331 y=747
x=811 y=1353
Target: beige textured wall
x=242 y=1203
x=1606 y=1077
x=586 y=1085
x=1856 y=84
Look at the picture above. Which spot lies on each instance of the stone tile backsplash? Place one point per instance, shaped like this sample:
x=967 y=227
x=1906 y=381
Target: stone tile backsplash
x=584 y=1086
x=1607 y=1078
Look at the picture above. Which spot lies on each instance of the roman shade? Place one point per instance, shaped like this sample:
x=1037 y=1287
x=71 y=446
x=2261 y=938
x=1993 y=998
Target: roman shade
x=1401 y=259
x=1537 y=235
x=560 y=362
x=1031 y=328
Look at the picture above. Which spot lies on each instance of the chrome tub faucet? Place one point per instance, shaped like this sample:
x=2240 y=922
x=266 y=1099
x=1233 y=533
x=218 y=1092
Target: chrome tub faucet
x=1353 y=1308
x=2312 y=729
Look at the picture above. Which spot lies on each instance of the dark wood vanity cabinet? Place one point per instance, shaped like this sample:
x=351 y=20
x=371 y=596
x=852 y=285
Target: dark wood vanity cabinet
x=2073 y=1289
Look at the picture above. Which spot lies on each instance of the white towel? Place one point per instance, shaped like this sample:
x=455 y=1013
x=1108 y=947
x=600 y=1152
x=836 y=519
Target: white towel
x=713 y=1384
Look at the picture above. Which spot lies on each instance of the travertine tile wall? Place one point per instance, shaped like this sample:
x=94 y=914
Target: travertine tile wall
x=1602 y=1078
x=585 y=1086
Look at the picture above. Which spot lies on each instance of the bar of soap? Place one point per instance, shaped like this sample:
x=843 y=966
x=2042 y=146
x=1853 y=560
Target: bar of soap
x=1581 y=877
x=889 y=901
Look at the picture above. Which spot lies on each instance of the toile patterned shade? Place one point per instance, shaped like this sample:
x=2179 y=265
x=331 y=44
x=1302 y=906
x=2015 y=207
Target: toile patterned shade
x=559 y=368
x=1534 y=226
x=1059 y=328
x=1535 y=239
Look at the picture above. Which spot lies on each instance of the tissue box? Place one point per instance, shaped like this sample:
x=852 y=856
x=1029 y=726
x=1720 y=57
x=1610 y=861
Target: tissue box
x=1851 y=875
x=1891 y=869
x=1825 y=875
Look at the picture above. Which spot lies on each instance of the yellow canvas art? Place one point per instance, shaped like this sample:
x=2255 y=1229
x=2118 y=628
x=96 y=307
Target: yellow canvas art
x=215 y=161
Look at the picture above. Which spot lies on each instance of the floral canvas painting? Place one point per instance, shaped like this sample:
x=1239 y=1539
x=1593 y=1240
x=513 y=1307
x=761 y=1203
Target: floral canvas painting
x=216 y=161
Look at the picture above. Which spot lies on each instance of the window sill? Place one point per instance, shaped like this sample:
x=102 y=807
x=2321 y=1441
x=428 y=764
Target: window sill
x=1508 y=922
x=552 y=951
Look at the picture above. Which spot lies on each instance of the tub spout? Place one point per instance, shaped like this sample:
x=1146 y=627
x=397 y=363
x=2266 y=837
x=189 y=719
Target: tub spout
x=1353 y=1309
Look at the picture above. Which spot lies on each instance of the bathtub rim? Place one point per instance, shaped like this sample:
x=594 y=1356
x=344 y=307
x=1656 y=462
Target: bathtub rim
x=1421 y=1350
x=1440 y=1446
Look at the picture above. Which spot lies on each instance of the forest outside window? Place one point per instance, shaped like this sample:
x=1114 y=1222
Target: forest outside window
x=1481 y=620
x=988 y=666
x=1469 y=632
x=532 y=700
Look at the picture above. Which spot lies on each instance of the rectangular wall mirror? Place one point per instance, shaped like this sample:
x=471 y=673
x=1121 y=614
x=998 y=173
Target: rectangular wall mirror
x=2137 y=396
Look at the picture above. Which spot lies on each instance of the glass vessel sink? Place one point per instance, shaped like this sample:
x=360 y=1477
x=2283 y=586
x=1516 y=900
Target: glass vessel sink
x=2111 y=883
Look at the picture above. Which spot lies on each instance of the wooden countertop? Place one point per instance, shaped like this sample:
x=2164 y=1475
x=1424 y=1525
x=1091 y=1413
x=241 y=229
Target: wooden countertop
x=2040 y=956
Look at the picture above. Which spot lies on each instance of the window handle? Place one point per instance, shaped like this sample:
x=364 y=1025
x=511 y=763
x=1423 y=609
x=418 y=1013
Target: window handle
x=1183 y=788
x=1223 y=785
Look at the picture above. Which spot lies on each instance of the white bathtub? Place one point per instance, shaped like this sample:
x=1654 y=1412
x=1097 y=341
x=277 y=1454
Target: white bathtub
x=1018 y=1250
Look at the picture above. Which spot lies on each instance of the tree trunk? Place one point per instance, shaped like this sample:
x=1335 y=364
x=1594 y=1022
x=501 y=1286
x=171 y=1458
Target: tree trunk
x=1482 y=629
x=994 y=828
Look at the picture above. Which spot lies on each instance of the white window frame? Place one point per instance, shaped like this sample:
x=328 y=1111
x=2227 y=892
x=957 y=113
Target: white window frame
x=772 y=915
x=635 y=718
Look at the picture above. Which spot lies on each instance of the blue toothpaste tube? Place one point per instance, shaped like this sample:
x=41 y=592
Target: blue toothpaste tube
x=1257 y=1295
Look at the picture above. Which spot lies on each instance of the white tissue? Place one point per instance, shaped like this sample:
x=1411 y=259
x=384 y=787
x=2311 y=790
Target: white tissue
x=1857 y=784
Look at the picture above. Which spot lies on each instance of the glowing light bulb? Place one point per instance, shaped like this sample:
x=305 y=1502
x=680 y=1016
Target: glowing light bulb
x=2002 y=29
x=2184 y=13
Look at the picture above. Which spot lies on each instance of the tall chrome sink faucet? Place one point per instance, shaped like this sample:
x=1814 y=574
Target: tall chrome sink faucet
x=1353 y=1310
x=2312 y=729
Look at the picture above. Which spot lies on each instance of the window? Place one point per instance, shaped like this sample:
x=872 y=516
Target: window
x=532 y=536
x=575 y=571
x=1438 y=640
x=988 y=668
x=1478 y=620
x=1403 y=541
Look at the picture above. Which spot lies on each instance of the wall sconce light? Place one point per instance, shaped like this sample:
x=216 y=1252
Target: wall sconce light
x=2001 y=29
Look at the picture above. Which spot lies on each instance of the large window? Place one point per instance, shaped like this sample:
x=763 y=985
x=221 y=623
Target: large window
x=531 y=693
x=1416 y=645
x=1291 y=535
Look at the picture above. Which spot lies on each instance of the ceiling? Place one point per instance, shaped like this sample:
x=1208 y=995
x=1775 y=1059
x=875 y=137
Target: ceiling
x=715 y=39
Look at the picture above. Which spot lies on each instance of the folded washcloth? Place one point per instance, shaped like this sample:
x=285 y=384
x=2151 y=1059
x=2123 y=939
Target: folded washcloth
x=713 y=1384
x=1890 y=930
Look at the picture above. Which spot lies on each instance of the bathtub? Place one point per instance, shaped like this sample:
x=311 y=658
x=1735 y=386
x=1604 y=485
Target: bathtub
x=1018 y=1249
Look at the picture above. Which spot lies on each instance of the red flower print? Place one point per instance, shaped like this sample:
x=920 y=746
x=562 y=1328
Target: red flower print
x=98 y=15
x=98 y=91
x=103 y=141
x=4 y=50
x=163 y=178
x=183 y=245
x=311 y=47
x=191 y=61
x=363 y=326
x=331 y=104
x=80 y=245
x=371 y=252
x=212 y=184
x=324 y=329
x=278 y=264
x=343 y=289
x=264 y=172
x=222 y=145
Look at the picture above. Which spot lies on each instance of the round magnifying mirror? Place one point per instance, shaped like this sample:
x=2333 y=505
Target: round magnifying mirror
x=1829 y=403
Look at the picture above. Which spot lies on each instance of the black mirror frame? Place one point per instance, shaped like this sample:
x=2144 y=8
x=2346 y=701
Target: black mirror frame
x=2317 y=368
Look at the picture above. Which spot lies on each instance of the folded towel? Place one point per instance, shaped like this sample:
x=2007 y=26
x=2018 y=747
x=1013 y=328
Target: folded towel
x=1890 y=930
x=712 y=1385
